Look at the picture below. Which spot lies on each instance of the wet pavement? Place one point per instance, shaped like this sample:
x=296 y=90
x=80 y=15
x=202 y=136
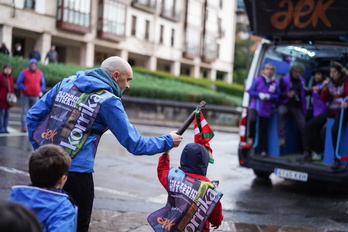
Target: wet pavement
x=108 y=220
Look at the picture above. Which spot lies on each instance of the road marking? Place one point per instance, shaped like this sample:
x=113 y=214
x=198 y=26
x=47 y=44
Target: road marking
x=13 y=170
x=159 y=199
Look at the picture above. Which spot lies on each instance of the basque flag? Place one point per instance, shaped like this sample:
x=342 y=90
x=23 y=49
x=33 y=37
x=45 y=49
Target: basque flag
x=203 y=133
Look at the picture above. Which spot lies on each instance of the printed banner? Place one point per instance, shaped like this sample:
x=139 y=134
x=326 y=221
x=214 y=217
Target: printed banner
x=307 y=18
x=70 y=120
x=190 y=202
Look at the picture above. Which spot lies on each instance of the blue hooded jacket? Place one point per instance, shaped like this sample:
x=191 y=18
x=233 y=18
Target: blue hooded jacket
x=194 y=159
x=53 y=208
x=111 y=116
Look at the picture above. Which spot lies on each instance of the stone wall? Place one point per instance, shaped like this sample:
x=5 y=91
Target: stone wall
x=172 y=111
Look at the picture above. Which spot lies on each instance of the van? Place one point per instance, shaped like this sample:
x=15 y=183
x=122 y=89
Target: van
x=313 y=33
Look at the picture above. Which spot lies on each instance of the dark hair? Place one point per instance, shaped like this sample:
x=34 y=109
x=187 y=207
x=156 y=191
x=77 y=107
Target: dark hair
x=47 y=164
x=16 y=218
x=339 y=68
x=7 y=66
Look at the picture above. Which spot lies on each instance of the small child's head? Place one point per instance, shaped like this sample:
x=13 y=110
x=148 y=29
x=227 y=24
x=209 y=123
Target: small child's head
x=7 y=69
x=17 y=218
x=318 y=76
x=194 y=159
x=49 y=166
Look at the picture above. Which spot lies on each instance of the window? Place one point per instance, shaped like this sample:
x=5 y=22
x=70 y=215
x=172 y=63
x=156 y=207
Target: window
x=134 y=25
x=170 y=10
x=147 y=30
x=194 y=29
x=112 y=19
x=210 y=48
x=161 y=34
x=194 y=13
x=172 y=38
x=145 y=5
x=148 y=3
x=29 y=4
x=74 y=15
x=193 y=38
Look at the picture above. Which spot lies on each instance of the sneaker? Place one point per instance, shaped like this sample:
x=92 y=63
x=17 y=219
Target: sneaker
x=24 y=129
x=281 y=142
x=317 y=156
x=305 y=157
x=263 y=154
x=336 y=164
x=250 y=142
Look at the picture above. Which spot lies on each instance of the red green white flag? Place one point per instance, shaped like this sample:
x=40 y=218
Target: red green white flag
x=203 y=133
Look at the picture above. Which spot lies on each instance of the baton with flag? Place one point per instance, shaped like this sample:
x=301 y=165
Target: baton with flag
x=202 y=131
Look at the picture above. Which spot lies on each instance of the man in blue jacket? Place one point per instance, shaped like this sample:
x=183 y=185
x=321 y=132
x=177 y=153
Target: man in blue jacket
x=75 y=113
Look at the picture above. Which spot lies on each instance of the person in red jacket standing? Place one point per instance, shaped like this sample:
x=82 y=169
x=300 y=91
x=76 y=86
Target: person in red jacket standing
x=6 y=86
x=31 y=82
x=193 y=200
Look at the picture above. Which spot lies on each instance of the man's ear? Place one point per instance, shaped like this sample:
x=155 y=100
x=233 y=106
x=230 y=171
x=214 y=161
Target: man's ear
x=115 y=75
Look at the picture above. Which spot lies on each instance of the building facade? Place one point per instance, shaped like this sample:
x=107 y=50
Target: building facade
x=184 y=37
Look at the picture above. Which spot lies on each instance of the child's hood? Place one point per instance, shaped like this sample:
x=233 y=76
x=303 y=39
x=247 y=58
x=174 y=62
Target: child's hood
x=194 y=159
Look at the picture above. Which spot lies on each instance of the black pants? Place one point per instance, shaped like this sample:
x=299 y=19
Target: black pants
x=313 y=140
x=263 y=129
x=80 y=187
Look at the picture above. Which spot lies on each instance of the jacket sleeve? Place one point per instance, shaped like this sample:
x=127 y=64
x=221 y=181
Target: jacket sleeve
x=282 y=88
x=115 y=118
x=325 y=94
x=43 y=82
x=20 y=81
x=216 y=216
x=252 y=90
x=38 y=113
x=163 y=169
x=64 y=219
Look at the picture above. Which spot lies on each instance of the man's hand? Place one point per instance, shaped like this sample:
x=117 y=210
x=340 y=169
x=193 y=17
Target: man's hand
x=176 y=138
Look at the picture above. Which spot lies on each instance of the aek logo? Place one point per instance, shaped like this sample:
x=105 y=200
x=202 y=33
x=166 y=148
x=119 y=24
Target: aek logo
x=166 y=223
x=303 y=8
x=49 y=134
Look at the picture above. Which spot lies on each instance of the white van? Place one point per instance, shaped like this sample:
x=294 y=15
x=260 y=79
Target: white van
x=313 y=33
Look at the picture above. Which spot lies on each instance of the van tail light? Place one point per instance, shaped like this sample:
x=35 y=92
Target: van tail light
x=242 y=128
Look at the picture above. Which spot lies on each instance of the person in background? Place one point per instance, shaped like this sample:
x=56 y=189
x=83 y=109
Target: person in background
x=315 y=105
x=34 y=53
x=31 y=83
x=89 y=103
x=4 y=50
x=18 y=50
x=194 y=162
x=264 y=93
x=292 y=101
x=15 y=217
x=6 y=86
x=52 y=55
x=333 y=91
x=48 y=170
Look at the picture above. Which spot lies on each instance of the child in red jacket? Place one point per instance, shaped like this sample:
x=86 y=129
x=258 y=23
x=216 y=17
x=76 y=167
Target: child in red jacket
x=193 y=201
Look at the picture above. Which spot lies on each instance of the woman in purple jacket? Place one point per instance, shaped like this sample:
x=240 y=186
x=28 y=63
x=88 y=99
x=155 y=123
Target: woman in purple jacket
x=263 y=92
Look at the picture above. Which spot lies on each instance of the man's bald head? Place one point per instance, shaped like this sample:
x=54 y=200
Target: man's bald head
x=116 y=63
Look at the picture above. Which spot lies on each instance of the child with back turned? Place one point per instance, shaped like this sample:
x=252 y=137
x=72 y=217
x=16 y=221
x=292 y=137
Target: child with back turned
x=48 y=169
x=193 y=200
